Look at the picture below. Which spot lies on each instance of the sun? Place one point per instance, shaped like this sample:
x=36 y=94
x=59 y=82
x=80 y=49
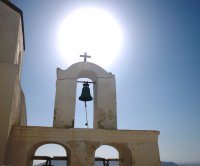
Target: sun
x=90 y=30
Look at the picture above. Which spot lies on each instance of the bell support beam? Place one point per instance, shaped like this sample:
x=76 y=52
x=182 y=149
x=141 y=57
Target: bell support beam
x=86 y=81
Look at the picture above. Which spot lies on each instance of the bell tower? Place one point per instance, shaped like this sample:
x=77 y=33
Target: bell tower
x=105 y=112
x=19 y=142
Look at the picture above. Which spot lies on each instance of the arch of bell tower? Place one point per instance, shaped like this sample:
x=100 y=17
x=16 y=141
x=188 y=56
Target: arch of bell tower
x=105 y=113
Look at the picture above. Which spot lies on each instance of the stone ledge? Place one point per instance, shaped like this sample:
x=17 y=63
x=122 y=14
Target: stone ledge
x=82 y=134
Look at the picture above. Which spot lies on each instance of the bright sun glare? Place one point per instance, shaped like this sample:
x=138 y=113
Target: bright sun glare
x=93 y=31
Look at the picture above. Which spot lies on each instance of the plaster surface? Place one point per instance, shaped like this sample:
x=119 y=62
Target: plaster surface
x=135 y=147
x=105 y=111
x=11 y=42
x=12 y=100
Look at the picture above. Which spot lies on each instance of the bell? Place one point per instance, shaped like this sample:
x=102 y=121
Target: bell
x=85 y=95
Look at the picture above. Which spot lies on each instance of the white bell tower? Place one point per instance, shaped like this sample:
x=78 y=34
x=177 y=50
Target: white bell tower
x=105 y=112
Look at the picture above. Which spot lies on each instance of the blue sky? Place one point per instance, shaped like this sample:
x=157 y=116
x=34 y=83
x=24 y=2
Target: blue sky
x=157 y=72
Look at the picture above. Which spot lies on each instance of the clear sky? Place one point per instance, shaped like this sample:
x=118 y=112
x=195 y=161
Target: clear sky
x=157 y=71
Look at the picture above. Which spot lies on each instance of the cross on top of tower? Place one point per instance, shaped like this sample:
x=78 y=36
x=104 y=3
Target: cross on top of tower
x=85 y=56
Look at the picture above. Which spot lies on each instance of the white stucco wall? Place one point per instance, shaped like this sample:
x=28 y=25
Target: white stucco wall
x=135 y=147
x=9 y=30
x=105 y=113
x=11 y=54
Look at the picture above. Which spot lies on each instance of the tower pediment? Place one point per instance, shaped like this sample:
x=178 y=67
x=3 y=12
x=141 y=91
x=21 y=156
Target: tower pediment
x=83 y=70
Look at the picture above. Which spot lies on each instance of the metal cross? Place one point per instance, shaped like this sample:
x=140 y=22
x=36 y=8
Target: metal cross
x=85 y=56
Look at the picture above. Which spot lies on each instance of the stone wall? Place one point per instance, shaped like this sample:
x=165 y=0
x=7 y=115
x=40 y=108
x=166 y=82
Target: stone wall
x=136 y=148
x=105 y=109
x=12 y=101
x=10 y=21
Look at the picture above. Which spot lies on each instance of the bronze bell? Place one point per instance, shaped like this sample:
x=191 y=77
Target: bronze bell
x=85 y=95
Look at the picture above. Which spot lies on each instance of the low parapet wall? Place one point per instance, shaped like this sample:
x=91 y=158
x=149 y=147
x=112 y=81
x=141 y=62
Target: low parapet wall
x=135 y=147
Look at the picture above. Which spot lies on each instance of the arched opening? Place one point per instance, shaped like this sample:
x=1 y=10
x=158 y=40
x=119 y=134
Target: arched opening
x=106 y=155
x=83 y=114
x=50 y=154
